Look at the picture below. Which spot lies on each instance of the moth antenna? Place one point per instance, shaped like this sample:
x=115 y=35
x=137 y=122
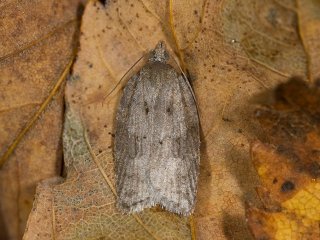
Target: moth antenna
x=188 y=83
x=159 y=54
x=118 y=83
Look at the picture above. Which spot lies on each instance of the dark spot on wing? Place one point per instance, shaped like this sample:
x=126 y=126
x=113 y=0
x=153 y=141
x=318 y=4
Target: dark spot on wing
x=146 y=108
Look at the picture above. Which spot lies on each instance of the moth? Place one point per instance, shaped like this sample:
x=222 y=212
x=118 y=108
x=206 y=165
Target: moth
x=157 y=140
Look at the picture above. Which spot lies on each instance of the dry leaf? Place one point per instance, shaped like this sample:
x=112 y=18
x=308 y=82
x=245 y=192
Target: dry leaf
x=289 y=166
x=231 y=50
x=37 y=45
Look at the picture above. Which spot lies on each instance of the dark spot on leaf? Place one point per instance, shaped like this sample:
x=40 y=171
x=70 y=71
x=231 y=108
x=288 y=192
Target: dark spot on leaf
x=112 y=135
x=226 y=119
x=287 y=186
x=275 y=180
x=314 y=169
x=289 y=153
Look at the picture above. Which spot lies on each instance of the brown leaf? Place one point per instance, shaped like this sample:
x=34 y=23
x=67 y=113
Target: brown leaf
x=36 y=50
x=309 y=21
x=289 y=167
x=231 y=50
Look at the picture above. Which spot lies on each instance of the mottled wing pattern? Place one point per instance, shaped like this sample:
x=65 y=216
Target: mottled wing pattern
x=157 y=142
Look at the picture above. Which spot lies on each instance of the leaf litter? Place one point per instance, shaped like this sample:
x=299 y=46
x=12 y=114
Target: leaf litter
x=228 y=60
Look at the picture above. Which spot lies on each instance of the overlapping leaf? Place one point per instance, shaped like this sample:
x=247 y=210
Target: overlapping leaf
x=289 y=165
x=37 y=43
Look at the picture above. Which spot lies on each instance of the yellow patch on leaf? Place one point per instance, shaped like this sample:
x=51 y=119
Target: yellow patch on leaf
x=288 y=165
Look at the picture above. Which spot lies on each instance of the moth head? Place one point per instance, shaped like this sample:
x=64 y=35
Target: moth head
x=159 y=54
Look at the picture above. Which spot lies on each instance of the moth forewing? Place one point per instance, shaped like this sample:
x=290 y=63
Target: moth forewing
x=157 y=139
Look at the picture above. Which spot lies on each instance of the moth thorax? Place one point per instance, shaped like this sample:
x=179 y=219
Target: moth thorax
x=159 y=54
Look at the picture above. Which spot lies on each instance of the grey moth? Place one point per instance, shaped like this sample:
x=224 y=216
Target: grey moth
x=157 y=139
